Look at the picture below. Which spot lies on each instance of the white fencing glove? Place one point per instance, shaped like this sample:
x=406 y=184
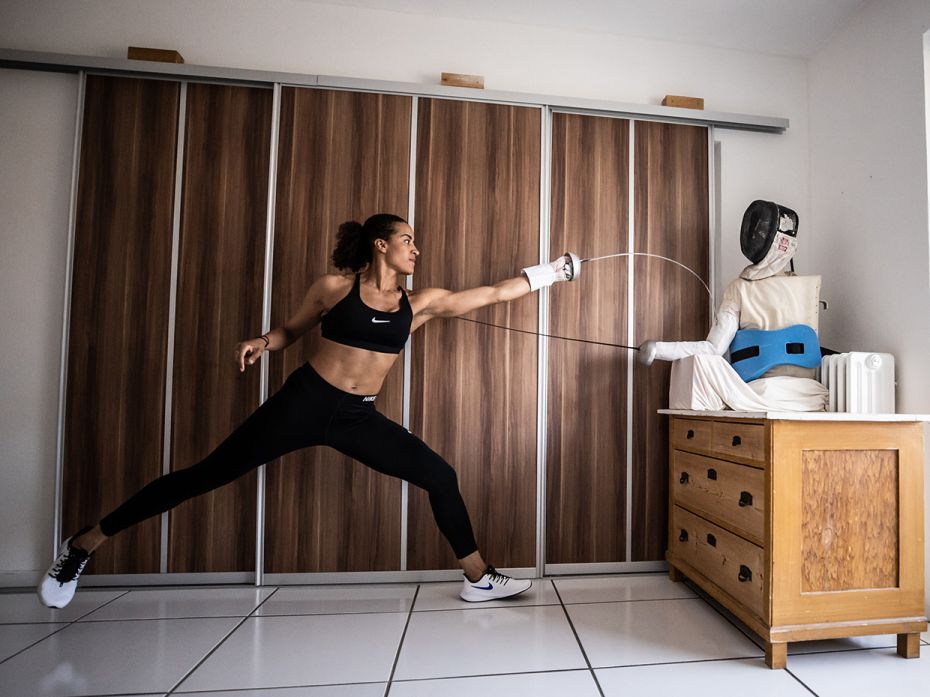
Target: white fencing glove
x=566 y=268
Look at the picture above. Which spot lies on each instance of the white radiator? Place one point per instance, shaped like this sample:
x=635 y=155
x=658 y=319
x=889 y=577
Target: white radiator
x=859 y=382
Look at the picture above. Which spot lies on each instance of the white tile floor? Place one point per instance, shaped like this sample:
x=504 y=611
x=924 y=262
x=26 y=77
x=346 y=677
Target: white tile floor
x=609 y=635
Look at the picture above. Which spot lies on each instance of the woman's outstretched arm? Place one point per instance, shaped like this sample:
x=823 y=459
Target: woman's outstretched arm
x=438 y=302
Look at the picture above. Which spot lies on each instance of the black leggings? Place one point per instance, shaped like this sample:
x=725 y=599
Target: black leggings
x=307 y=411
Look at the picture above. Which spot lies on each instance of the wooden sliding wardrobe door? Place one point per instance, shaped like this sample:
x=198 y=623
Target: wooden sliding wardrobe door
x=473 y=387
x=117 y=344
x=671 y=213
x=219 y=303
x=586 y=427
x=341 y=156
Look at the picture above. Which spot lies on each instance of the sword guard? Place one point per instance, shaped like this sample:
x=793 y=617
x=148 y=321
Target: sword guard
x=572 y=266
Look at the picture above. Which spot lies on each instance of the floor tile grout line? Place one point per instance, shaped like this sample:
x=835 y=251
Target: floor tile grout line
x=60 y=629
x=109 y=602
x=630 y=600
x=157 y=693
x=338 y=614
x=32 y=624
x=803 y=684
x=194 y=693
x=264 y=600
x=400 y=644
x=585 y=602
x=544 y=671
x=229 y=617
x=584 y=654
x=218 y=645
x=199 y=663
x=677 y=663
x=38 y=641
x=116 y=620
x=251 y=613
x=234 y=616
x=471 y=607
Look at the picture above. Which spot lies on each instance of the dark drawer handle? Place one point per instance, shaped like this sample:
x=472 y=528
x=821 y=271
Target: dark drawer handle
x=737 y=441
x=745 y=499
x=683 y=535
x=711 y=540
x=690 y=434
x=712 y=473
x=745 y=574
x=683 y=479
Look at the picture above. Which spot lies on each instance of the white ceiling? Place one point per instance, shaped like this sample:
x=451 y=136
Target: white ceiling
x=795 y=28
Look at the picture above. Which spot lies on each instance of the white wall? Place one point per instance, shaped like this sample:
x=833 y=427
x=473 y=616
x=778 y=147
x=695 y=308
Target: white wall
x=36 y=151
x=869 y=188
x=298 y=36
x=868 y=97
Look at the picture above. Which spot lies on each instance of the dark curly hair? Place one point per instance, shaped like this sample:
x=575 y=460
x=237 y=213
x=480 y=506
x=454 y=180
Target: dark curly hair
x=354 y=241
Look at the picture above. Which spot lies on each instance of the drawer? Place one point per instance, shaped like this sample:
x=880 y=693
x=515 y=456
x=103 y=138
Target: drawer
x=733 y=494
x=691 y=433
x=746 y=441
x=729 y=561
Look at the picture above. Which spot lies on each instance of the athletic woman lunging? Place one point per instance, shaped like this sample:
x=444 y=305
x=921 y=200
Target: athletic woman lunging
x=366 y=317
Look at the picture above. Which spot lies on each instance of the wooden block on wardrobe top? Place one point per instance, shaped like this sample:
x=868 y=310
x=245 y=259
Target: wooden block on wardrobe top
x=686 y=102
x=459 y=80
x=162 y=55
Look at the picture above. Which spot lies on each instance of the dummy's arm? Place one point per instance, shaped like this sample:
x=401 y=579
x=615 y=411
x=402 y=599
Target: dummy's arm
x=717 y=342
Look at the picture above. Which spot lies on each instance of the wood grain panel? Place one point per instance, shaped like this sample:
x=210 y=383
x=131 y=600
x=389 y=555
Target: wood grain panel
x=341 y=156
x=119 y=311
x=741 y=442
x=671 y=218
x=733 y=563
x=473 y=388
x=849 y=520
x=731 y=495
x=691 y=434
x=587 y=399
x=219 y=303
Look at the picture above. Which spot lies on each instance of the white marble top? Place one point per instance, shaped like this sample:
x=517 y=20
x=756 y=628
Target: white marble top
x=799 y=415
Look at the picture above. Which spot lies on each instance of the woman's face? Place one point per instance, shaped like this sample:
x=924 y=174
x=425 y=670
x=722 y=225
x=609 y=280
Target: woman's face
x=399 y=250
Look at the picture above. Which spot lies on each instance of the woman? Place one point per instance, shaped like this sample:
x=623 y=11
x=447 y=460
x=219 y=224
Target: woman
x=366 y=317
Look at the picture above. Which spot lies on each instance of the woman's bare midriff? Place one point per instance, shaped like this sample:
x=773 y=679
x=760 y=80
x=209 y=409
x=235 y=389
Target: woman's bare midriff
x=353 y=370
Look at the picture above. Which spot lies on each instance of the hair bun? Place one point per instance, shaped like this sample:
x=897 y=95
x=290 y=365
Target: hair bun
x=350 y=227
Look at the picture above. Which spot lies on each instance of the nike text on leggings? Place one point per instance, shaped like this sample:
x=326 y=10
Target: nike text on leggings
x=308 y=411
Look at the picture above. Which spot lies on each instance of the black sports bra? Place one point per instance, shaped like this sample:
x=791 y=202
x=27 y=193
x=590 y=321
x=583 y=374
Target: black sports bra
x=352 y=323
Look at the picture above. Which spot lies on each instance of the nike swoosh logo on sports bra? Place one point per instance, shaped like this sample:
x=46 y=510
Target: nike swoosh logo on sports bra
x=380 y=321
x=483 y=588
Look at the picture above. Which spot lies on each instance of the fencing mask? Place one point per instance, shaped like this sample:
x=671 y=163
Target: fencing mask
x=768 y=238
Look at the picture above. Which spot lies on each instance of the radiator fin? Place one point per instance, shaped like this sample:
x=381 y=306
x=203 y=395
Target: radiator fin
x=859 y=382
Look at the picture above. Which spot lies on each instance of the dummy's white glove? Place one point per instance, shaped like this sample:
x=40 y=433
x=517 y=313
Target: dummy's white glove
x=647 y=352
x=717 y=343
x=566 y=268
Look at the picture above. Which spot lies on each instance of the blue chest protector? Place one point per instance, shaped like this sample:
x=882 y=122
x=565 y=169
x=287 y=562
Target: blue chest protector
x=756 y=351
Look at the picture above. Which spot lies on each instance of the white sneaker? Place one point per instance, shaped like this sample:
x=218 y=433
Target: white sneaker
x=492 y=586
x=60 y=581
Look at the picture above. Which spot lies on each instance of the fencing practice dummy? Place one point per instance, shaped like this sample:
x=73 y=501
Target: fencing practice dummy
x=767 y=321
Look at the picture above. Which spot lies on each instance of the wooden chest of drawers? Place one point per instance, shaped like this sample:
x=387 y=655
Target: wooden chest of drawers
x=803 y=529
